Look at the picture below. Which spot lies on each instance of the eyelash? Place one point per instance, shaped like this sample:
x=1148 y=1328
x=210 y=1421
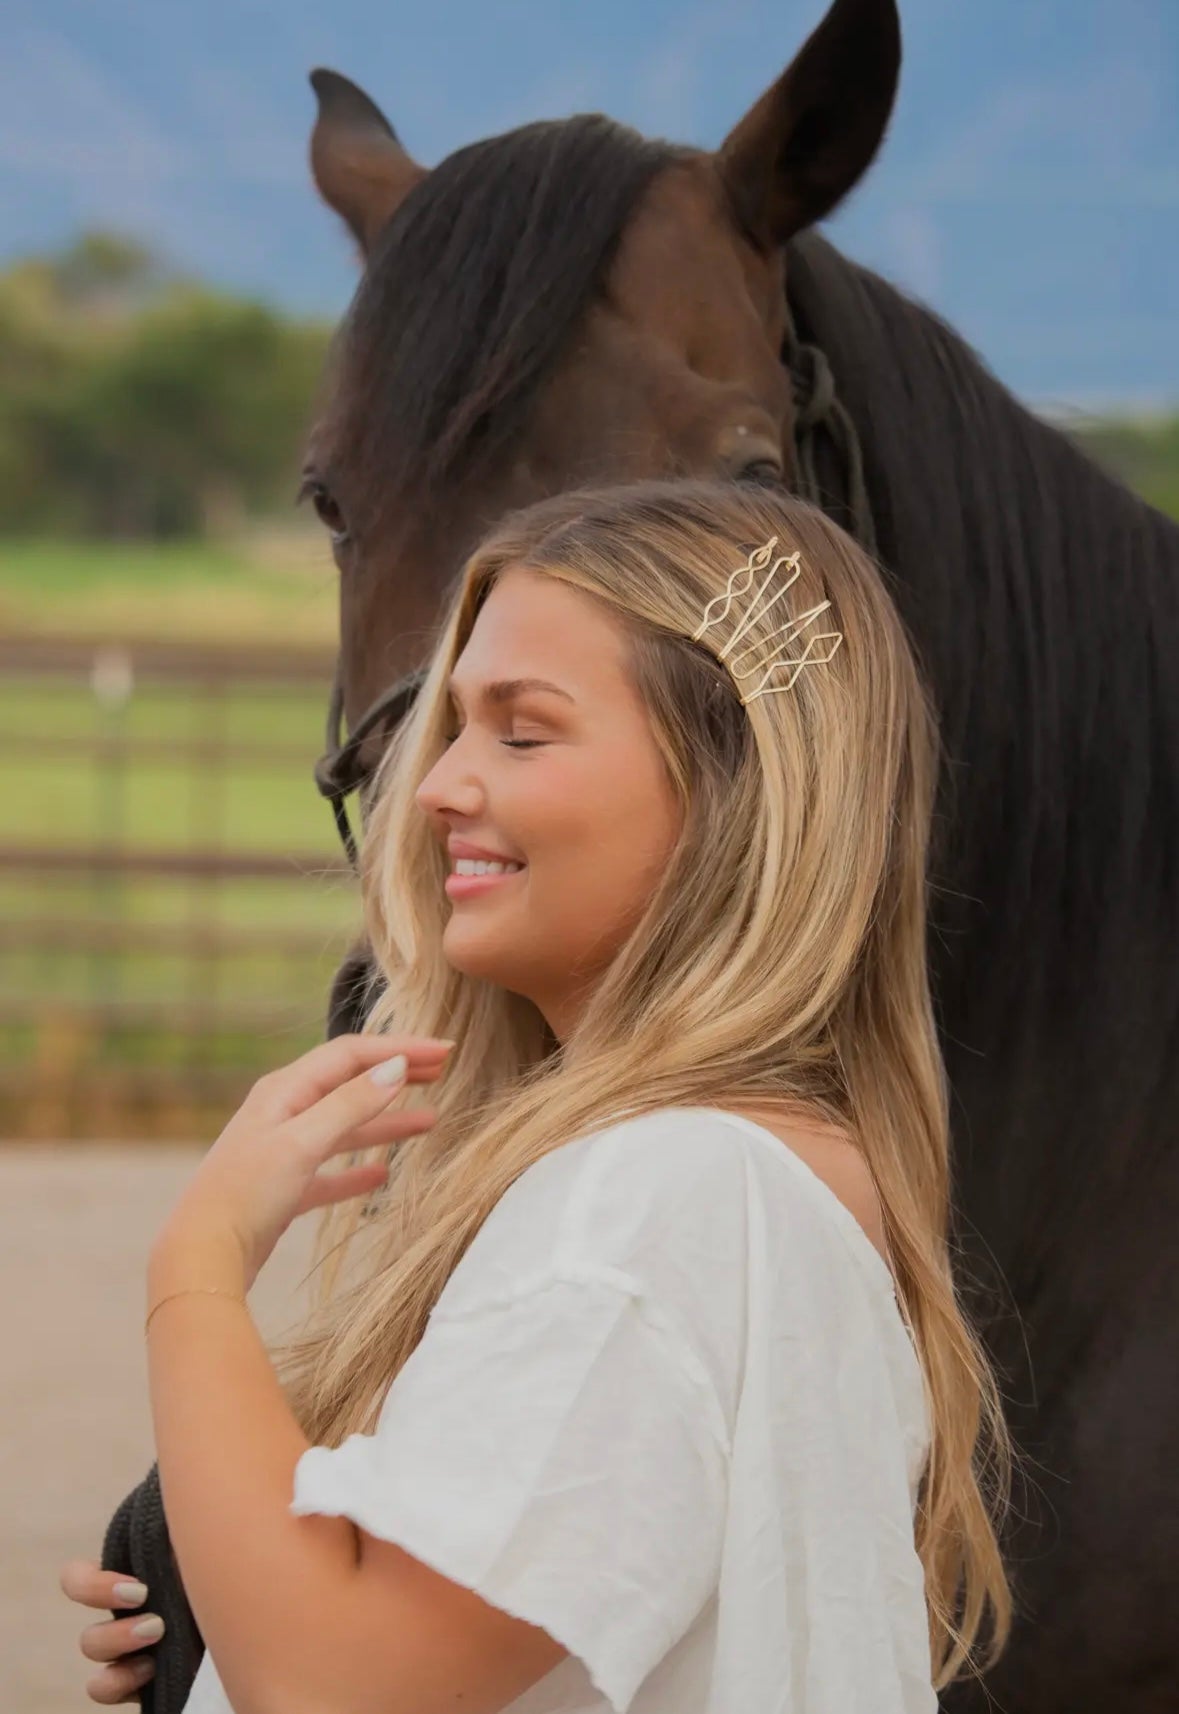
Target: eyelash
x=508 y=743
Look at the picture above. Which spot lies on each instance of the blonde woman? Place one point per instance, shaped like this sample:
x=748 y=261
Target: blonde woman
x=641 y=1384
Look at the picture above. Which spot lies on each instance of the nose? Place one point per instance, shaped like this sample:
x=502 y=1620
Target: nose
x=451 y=787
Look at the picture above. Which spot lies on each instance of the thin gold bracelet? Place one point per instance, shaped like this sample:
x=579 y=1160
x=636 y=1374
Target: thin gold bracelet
x=191 y=1291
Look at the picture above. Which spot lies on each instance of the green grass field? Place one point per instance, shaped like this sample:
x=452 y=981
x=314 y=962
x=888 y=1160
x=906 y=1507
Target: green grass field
x=166 y=800
x=277 y=585
x=120 y=995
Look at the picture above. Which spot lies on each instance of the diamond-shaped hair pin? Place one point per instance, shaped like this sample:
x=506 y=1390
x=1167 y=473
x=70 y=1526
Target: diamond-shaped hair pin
x=772 y=649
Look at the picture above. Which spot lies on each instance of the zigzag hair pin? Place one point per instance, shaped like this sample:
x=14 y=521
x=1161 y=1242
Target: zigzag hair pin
x=787 y=633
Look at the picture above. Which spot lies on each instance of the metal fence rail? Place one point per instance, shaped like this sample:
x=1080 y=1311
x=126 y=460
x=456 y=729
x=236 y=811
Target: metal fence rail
x=149 y=974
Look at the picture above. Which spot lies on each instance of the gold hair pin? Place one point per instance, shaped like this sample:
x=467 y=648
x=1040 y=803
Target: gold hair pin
x=739 y=585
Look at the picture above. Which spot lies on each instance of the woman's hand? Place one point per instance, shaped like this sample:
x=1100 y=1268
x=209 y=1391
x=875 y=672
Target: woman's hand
x=263 y=1170
x=114 y=1642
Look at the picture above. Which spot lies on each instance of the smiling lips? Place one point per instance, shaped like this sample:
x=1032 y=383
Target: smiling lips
x=476 y=871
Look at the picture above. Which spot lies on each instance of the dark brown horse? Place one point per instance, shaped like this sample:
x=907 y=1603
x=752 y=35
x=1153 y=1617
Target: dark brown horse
x=570 y=303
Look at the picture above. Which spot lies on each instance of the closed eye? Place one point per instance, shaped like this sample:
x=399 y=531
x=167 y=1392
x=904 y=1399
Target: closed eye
x=763 y=473
x=508 y=743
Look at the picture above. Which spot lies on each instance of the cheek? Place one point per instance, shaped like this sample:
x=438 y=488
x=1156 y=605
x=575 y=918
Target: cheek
x=603 y=838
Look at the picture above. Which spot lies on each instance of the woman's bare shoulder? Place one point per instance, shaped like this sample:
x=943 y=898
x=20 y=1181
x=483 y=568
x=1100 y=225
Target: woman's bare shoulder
x=833 y=1157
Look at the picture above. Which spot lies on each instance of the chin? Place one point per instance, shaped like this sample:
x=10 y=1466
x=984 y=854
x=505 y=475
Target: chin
x=483 y=956
x=474 y=952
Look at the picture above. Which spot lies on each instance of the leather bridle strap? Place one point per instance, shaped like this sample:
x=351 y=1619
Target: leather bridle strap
x=339 y=771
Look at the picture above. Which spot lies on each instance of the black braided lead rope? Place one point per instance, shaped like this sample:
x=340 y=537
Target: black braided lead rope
x=819 y=411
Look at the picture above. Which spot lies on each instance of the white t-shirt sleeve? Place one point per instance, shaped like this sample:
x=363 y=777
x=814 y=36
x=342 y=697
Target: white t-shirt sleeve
x=560 y=1451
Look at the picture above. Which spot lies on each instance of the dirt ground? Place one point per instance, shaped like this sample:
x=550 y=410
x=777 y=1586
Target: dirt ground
x=76 y=1222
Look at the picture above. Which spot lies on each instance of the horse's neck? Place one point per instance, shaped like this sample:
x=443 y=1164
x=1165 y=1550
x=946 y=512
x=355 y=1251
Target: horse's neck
x=1044 y=600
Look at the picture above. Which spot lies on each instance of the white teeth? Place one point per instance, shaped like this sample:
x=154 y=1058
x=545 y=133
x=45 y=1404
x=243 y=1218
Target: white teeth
x=476 y=866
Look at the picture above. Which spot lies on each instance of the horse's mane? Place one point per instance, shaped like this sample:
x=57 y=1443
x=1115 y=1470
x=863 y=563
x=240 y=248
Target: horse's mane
x=472 y=295
x=1044 y=599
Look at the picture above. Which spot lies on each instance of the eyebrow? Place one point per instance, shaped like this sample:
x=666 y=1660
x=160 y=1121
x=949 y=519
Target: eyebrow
x=503 y=690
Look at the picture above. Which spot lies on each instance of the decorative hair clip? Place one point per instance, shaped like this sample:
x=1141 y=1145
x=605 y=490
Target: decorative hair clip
x=738 y=585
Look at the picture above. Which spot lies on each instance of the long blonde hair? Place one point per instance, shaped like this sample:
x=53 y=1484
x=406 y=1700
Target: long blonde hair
x=781 y=959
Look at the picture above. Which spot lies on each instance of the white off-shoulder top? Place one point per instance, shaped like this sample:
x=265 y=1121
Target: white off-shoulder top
x=666 y=1408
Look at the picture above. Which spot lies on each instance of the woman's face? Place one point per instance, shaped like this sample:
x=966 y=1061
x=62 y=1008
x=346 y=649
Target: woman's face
x=563 y=784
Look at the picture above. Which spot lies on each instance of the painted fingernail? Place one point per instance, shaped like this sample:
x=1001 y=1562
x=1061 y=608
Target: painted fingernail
x=149 y=1630
x=390 y=1070
x=135 y=1594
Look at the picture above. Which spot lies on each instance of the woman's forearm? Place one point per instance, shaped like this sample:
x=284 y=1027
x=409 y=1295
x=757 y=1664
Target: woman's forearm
x=261 y=1582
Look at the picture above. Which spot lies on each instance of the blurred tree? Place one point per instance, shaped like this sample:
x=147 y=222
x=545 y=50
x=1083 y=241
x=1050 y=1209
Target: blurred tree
x=134 y=403
x=103 y=272
x=199 y=419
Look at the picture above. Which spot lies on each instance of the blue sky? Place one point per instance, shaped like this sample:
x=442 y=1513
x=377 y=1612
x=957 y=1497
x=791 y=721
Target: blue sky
x=1029 y=188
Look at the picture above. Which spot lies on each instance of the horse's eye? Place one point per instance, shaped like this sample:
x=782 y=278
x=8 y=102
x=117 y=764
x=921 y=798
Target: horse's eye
x=765 y=471
x=327 y=510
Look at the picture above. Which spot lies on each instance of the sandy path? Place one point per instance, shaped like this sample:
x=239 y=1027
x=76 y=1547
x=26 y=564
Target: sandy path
x=75 y=1225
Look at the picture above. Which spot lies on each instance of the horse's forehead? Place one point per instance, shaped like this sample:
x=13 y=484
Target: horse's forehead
x=679 y=223
x=680 y=258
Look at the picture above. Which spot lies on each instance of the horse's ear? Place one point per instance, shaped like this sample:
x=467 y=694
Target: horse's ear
x=814 y=133
x=359 y=167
